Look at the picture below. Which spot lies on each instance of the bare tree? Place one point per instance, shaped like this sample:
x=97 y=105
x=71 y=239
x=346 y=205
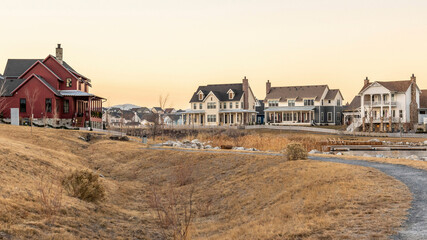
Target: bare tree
x=174 y=211
x=31 y=97
x=3 y=102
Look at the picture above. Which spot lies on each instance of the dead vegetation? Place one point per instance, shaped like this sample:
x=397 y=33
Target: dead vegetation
x=84 y=185
x=231 y=196
x=295 y=151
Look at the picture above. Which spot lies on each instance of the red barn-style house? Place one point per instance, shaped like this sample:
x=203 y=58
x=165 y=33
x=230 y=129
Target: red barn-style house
x=51 y=91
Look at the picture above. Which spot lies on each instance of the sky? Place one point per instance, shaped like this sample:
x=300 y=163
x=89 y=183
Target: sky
x=136 y=50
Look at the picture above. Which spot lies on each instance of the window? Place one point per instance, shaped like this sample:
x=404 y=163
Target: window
x=308 y=102
x=48 y=105
x=338 y=102
x=69 y=82
x=241 y=105
x=393 y=113
x=322 y=102
x=392 y=97
x=291 y=103
x=237 y=105
x=211 y=105
x=273 y=103
x=211 y=118
x=329 y=116
x=200 y=105
x=200 y=96
x=225 y=105
x=230 y=95
x=194 y=106
x=66 y=106
x=329 y=101
x=23 y=105
x=231 y=105
x=400 y=113
x=422 y=112
x=322 y=117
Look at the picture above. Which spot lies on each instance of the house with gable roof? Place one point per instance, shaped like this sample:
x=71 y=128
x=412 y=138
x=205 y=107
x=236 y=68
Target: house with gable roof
x=303 y=105
x=221 y=105
x=58 y=94
x=385 y=104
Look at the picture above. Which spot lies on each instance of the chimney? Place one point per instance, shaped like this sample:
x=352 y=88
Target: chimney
x=268 y=86
x=246 y=91
x=59 y=53
x=366 y=82
x=413 y=106
x=413 y=78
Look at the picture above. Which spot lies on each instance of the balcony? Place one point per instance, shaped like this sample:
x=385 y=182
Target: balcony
x=379 y=104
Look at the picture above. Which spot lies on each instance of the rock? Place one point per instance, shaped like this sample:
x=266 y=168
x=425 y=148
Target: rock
x=216 y=148
x=374 y=140
x=424 y=159
x=168 y=143
x=239 y=148
x=339 y=153
x=102 y=176
x=327 y=153
x=425 y=142
x=380 y=156
x=208 y=147
x=413 y=157
x=366 y=155
x=314 y=151
x=195 y=141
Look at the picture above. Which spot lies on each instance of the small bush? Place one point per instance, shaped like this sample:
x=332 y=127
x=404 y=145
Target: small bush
x=295 y=151
x=84 y=185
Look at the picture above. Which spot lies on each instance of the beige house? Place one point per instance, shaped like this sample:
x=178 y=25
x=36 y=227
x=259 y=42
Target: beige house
x=221 y=104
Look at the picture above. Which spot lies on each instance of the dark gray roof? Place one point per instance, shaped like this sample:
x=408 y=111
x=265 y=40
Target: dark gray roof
x=10 y=85
x=297 y=92
x=354 y=105
x=16 y=67
x=220 y=91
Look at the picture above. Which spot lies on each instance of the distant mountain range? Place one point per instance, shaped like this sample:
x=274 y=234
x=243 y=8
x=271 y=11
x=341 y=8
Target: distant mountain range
x=126 y=106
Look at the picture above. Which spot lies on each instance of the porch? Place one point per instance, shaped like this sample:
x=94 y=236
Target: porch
x=303 y=115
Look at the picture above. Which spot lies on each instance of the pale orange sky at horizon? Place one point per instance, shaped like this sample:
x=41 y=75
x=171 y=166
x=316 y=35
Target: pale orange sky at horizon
x=136 y=50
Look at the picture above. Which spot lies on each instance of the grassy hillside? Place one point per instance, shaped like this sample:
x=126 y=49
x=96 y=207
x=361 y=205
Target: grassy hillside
x=233 y=196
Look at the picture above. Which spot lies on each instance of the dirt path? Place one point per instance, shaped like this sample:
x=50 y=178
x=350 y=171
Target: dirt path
x=416 y=180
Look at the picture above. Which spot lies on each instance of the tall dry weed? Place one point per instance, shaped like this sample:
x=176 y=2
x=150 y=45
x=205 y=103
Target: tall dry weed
x=50 y=197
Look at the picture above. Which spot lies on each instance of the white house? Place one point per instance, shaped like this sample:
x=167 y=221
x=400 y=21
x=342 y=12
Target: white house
x=384 y=104
x=222 y=104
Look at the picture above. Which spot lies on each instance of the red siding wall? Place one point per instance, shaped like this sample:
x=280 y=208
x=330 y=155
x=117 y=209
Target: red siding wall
x=62 y=73
x=45 y=73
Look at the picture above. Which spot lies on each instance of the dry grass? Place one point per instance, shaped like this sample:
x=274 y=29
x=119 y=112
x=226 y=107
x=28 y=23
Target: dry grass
x=235 y=196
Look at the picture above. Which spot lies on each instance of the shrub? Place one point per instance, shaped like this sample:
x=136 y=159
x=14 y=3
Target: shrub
x=295 y=151
x=84 y=185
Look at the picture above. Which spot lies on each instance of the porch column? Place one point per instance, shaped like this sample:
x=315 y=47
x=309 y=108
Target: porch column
x=301 y=120
x=274 y=117
x=389 y=106
x=292 y=118
x=382 y=103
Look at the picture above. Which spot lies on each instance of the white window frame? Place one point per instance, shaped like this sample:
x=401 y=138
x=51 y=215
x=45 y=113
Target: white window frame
x=330 y=117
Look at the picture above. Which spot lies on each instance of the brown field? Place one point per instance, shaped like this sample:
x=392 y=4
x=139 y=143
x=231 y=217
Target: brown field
x=234 y=196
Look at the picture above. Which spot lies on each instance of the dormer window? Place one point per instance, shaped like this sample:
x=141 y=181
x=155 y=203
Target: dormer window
x=69 y=82
x=230 y=94
x=200 y=96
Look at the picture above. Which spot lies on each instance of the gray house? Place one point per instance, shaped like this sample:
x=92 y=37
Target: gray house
x=303 y=105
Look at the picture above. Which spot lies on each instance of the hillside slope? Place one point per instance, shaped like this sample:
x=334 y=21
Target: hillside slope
x=234 y=196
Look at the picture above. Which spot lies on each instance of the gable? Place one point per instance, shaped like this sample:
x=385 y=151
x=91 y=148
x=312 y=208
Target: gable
x=16 y=67
x=36 y=78
x=60 y=70
x=220 y=91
